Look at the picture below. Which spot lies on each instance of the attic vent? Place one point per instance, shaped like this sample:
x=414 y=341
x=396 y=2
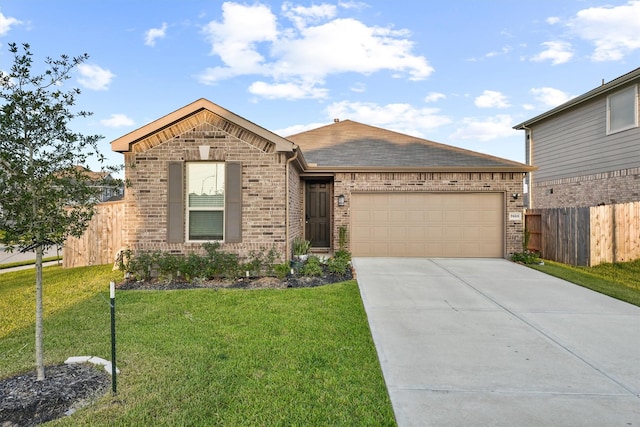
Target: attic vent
x=336 y=120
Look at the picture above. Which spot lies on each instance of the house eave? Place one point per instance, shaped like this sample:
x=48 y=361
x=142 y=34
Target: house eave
x=124 y=143
x=607 y=87
x=441 y=169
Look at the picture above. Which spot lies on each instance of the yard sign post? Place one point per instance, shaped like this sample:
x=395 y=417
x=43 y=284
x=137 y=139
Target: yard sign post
x=112 y=292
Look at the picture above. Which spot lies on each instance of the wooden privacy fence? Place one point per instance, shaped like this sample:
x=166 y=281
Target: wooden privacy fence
x=585 y=236
x=100 y=241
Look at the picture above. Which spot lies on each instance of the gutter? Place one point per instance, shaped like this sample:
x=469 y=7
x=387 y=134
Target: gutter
x=286 y=206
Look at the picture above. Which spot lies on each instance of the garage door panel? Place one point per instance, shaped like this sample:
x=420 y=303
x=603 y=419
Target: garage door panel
x=428 y=224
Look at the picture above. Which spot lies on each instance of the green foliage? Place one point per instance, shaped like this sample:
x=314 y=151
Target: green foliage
x=261 y=263
x=44 y=196
x=338 y=264
x=342 y=238
x=301 y=246
x=312 y=267
x=281 y=270
x=526 y=257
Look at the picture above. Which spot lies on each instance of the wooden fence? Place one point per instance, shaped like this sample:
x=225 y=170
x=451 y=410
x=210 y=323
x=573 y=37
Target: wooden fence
x=100 y=241
x=585 y=236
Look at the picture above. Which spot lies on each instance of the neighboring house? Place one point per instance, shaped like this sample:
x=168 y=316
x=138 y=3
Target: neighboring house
x=107 y=188
x=587 y=150
x=203 y=174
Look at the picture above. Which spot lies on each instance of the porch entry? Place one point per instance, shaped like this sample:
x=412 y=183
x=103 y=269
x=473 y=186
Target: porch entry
x=318 y=213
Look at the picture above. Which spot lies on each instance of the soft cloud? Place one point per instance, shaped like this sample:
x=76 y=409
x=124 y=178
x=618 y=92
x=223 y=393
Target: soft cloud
x=287 y=90
x=434 y=97
x=487 y=129
x=399 y=117
x=94 y=77
x=151 y=35
x=249 y=40
x=552 y=20
x=491 y=99
x=558 y=52
x=612 y=30
x=6 y=22
x=117 y=120
x=549 y=96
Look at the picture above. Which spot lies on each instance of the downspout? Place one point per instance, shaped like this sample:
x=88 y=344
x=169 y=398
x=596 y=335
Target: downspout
x=529 y=143
x=286 y=206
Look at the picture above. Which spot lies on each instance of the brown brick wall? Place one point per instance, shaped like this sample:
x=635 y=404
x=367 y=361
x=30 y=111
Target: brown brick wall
x=507 y=183
x=590 y=190
x=263 y=193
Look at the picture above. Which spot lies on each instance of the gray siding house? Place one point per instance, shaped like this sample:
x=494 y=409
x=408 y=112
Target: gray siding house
x=587 y=151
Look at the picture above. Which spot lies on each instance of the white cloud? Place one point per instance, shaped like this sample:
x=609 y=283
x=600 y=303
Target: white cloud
x=249 y=40
x=359 y=87
x=287 y=90
x=399 y=117
x=151 y=35
x=292 y=130
x=6 y=22
x=613 y=30
x=549 y=96
x=434 y=97
x=558 y=52
x=487 y=129
x=94 y=77
x=491 y=99
x=552 y=20
x=117 y=120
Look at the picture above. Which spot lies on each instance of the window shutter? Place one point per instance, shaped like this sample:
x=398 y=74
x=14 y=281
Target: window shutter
x=233 y=203
x=175 y=204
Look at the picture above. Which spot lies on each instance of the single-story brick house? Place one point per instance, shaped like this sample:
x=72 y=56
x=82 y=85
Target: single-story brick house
x=203 y=173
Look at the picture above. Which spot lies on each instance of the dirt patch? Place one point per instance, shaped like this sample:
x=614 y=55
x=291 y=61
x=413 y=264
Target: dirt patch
x=66 y=388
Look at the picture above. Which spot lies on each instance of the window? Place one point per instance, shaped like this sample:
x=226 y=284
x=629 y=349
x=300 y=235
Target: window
x=622 y=110
x=205 y=200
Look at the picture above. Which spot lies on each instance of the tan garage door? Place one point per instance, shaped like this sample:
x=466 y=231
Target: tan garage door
x=428 y=224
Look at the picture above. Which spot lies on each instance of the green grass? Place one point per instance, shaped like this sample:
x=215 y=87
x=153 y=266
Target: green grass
x=206 y=357
x=620 y=280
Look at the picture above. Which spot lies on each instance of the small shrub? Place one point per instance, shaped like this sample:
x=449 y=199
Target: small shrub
x=343 y=254
x=526 y=257
x=312 y=268
x=301 y=246
x=338 y=265
x=281 y=270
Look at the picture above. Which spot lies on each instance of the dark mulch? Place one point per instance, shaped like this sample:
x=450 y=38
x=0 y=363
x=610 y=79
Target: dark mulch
x=242 y=283
x=66 y=388
x=27 y=402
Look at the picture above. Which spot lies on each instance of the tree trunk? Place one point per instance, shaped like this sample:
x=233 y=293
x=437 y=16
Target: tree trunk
x=39 y=317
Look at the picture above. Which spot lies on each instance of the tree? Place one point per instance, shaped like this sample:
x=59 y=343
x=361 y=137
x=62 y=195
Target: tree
x=44 y=197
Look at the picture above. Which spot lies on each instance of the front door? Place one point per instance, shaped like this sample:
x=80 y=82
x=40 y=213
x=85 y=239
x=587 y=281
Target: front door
x=318 y=213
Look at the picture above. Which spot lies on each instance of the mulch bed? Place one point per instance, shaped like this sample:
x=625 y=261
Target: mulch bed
x=66 y=388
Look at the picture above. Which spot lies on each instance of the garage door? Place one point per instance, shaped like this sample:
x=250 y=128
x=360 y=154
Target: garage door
x=428 y=224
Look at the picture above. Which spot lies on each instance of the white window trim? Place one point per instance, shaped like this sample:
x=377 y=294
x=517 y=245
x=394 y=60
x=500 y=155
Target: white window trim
x=635 y=115
x=188 y=209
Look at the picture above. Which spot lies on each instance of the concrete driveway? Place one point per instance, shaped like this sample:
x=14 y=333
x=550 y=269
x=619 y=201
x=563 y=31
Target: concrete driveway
x=486 y=342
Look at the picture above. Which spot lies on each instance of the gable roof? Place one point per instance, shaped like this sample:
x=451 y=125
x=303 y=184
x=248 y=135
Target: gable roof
x=348 y=145
x=190 y=116
x=600 y=90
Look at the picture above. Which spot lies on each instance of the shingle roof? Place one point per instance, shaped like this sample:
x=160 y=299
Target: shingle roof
x=347 y=144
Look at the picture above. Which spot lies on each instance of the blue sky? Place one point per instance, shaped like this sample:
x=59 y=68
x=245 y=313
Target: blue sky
x=460 y=72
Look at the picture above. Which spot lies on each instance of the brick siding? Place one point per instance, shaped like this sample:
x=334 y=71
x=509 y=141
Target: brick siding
x=621 y=186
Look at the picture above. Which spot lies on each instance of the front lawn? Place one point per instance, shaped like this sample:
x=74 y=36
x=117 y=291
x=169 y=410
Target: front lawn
x=619 y=280
x=205 y=356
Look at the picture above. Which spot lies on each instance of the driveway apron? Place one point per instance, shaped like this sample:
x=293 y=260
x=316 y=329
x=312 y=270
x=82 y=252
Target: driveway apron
x=487 y=342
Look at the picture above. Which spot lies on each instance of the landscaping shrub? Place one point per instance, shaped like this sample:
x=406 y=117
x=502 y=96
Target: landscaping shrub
x=312 y=268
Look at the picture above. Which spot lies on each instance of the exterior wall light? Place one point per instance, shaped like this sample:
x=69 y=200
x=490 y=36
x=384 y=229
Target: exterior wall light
x=515 y=196
x=341 y=200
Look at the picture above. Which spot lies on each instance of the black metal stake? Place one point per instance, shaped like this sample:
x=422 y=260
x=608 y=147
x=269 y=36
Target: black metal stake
x=112 y=291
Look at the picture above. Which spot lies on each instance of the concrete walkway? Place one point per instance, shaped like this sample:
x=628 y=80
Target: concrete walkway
x=486 y=342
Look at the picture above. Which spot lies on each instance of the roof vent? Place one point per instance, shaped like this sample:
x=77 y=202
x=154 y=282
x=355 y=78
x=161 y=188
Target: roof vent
x=336 y=120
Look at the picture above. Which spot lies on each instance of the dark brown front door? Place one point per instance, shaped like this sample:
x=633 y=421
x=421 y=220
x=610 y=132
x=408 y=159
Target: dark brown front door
x=317 y=213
